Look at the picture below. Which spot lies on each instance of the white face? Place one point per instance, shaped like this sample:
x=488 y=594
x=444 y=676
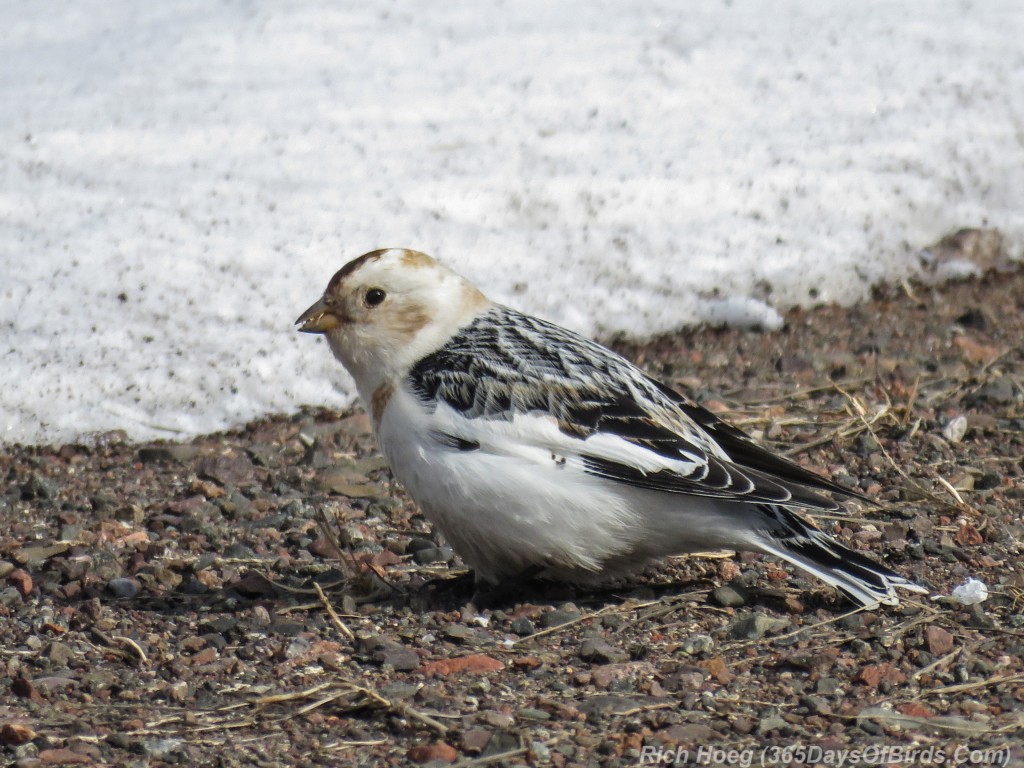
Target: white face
x=385 y=310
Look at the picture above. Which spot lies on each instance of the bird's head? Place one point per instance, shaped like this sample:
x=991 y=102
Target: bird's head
x=385 y=310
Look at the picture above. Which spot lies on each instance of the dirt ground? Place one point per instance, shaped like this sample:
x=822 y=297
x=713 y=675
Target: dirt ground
x=266 y=596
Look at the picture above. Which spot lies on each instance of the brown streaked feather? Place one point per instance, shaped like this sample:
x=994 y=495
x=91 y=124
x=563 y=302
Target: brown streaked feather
x=379 y=401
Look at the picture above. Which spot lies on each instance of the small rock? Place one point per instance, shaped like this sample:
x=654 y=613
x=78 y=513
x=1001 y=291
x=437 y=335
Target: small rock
x=474 y=664
x=613 y=621
x=384 y=651
x=429 y=753
x=123 y=587
x=558 y=617
x=59 y=654
x=938 y=640
x=178 y=691
x=621 y=676
x=239 y=551
x=5 y=569
x=853 y=621
x=541 y=753
x=429 y=555
x=594 y=649
x=228 y=469
x=21 y=581
x=13 y=734
x=160 y=748
x=771 y=723
x=529 y=713
x=39 y=487
x=523 y=626
x=955 y=430
x=696 y=645
x=40 y=554
x=398 y=691
x=742 y=725
x=816 y=705
x=62 y=756
x=756 y=626
x=496 y=719
x=717 y=669
x=415 y=544
x=501 y=741
x=874 y=675
x=727 y=597
x=474 y=741
x=827 y=686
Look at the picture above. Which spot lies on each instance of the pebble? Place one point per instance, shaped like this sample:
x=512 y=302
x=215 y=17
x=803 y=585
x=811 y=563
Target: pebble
x=239 y=551
x=938 y=640
x=771 y=723
x=523 y=626
x=529 y=713
x=433 y=753
x=727 y=597
x=416 y=544
x=384 y=651
x=827 y=686
x=540 y=751
x=599 y=651
x=558 y=617
x=696 y=645
x=59 y=654
x=756 y=626
x=429 y=555
x=123 y=587
x=21 y=581
x=39 y=487
x=955 y=430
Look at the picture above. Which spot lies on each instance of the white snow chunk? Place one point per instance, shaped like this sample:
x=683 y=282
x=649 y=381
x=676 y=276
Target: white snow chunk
x=970 y=592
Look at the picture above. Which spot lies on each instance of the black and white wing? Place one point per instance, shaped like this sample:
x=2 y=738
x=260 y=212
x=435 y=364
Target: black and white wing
x=621 y=424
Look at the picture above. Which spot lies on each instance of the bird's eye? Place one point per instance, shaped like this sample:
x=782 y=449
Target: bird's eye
x=375 y=296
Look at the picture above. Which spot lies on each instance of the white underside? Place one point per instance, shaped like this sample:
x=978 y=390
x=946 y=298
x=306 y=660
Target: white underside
x=523 y=500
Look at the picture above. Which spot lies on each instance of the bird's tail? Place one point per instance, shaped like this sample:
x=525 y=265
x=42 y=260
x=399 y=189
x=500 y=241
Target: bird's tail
x=800 y=543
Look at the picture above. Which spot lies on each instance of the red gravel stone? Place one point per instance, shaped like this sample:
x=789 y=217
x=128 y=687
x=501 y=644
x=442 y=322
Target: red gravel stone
x=475 y=664
x=428 y=753
x=21 y=581
x=939 y=641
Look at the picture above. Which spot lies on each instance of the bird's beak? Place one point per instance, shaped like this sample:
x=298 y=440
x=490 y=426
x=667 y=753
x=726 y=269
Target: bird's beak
x=318 y=319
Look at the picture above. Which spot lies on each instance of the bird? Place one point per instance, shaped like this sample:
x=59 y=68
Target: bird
x=538 y=452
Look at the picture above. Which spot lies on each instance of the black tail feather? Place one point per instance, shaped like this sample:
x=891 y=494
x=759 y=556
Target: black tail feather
x=859 y=577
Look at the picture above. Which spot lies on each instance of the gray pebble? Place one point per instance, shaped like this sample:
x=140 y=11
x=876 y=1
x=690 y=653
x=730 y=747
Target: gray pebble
x=601 y=652
x=59 y=654
x=558 y=617
x=123 y=587
x=727 y=597
x=429 y=555
x=695 y=645
x=756 y=626
x=523 y=626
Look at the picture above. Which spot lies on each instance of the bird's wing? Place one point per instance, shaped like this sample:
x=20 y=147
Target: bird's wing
x=623 y=426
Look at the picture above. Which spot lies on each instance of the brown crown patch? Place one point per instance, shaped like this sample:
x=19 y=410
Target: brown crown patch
x=416 y=259
x=352 y=266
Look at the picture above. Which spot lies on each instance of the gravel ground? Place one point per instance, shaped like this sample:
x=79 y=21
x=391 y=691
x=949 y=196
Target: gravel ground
x=268 y=596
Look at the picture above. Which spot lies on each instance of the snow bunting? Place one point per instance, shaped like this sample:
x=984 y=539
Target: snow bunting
x=534 y=449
